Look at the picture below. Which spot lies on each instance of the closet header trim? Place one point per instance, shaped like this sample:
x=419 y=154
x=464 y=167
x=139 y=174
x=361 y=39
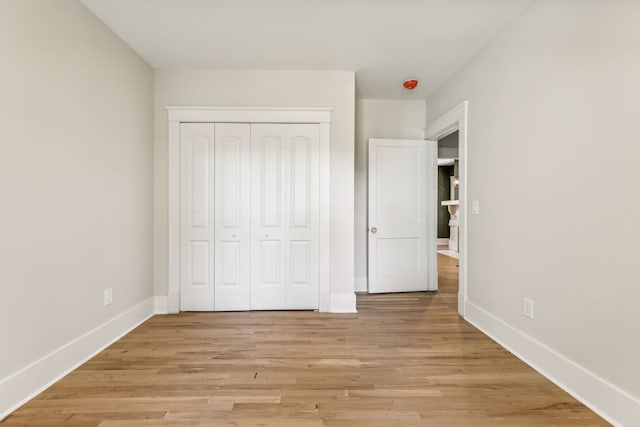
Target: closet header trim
x=248 y=115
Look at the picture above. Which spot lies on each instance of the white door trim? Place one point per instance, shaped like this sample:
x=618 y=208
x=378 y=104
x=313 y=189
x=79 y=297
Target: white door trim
x=456 y=120
x=249 y=114
x=177 y=115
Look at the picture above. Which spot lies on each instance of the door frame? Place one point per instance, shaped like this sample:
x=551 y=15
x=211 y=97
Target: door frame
x=451 y=121
x=185 y=114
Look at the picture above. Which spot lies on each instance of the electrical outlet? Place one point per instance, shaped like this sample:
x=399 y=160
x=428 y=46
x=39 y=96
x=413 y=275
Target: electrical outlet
x=108 y=296
x=527 y=308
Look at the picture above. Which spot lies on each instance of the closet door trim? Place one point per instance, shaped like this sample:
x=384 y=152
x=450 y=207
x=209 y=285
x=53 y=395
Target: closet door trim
x=249 y=115
x=178 y=115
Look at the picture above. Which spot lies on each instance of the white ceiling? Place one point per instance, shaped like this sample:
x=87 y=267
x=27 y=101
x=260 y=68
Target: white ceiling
x=384 y=41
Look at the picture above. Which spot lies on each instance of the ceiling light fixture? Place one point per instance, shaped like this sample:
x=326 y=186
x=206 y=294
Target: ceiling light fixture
x=410 y=84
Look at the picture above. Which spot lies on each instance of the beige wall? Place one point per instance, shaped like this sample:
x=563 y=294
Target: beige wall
x=75 y=177
x=378 y=118
x=204 y=87
x=546 y=99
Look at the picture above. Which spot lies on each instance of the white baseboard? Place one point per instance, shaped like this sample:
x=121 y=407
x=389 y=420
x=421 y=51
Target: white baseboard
x=360 y=284
x=461 y=304
x=343 y=303
x=615 y=405
x=443 y=240
x=26 y=383
x=160 y=305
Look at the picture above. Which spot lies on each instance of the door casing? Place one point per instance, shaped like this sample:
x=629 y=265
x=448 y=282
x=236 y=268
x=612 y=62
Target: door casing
x=456 y=120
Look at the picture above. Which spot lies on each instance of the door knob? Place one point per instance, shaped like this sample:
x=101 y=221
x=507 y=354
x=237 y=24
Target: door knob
x=266 y=234
x=374 y=230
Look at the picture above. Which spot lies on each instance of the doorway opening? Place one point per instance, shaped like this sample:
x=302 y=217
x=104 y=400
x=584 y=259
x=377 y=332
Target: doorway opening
x=450 y=123
x=448 y=196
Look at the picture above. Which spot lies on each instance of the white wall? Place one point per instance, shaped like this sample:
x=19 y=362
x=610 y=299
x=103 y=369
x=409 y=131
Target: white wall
x=378 y=118
x=75 y=179
x=205 y=87
x=546 y=99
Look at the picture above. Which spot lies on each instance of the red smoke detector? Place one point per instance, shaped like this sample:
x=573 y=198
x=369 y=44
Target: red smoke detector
x=410 y=84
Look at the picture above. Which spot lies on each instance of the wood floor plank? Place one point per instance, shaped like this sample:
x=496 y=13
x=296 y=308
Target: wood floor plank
x=402 y=360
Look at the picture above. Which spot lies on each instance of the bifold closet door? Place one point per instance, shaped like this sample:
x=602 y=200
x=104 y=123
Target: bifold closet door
x=232 y=216
x=215 y=216
x=196 y=216
x=285 y=222
x=249 y=206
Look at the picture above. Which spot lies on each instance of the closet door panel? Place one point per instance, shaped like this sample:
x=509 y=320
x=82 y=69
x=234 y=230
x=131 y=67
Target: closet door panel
x=230 y=266
x=300 y=185
x=300 y=262
x=199 y=265
x=270 y=266
x=232 y=216
x=271 y=176
x=302 y=217
x=196 y=212
x=268 y=174
x=198 y=194
x=229 y=158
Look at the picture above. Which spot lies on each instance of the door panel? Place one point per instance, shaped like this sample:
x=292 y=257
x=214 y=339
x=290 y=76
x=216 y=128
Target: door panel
x=399 y=170
x=300 y=185
x=302 y=217
x=232 y=219
x=267 y=176
x=300 y=261
x=270 y=273
x=229 y=161
x=402 y=243
x=230 y=264
x=196 y=211
x=271 y=180
x=398 y=256
x=285 y=188
x=199 y=190
x=199 y=263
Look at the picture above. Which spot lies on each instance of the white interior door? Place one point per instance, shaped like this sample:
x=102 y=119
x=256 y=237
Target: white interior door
x=197 y=216
x=402 y=215
x=232 y=216
x=285 y=222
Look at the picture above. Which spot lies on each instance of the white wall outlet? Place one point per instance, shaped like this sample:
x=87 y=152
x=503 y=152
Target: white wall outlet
x=475 y=207
x=108 y=296
x=527 y=308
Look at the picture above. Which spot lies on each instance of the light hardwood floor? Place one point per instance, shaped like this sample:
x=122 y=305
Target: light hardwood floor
x=403 y=360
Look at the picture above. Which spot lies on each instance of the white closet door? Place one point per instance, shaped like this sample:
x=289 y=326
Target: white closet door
x=232 y=216
x=302 y=216
x=196 y=213
x=284 y=228
x=268 y=239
